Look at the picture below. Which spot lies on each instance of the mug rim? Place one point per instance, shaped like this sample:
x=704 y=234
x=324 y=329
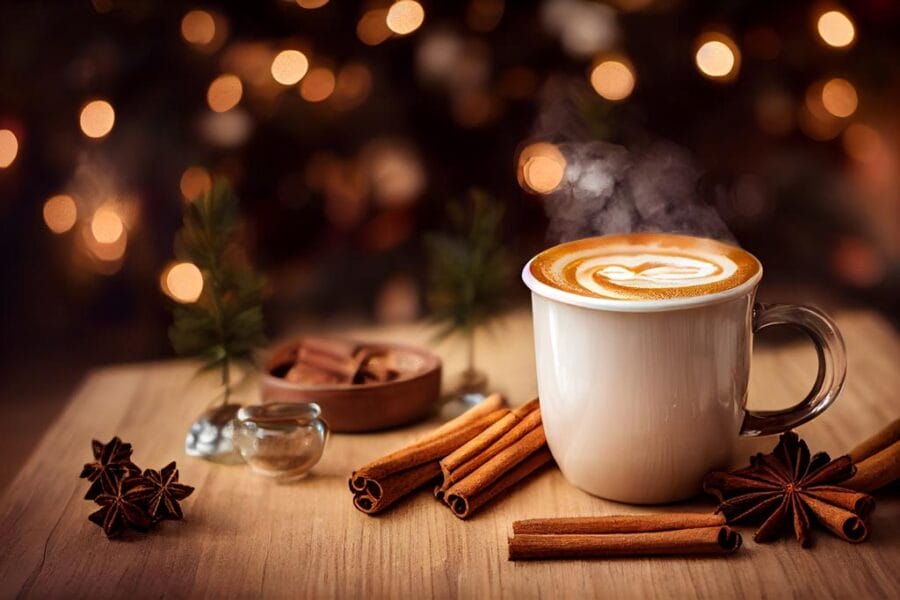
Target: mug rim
x=594 y=302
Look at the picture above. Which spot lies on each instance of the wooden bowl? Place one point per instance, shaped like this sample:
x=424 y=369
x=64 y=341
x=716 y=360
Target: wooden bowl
x=348 y=407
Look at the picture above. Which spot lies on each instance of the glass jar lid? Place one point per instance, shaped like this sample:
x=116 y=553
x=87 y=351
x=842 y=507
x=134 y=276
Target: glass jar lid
x=301 y=412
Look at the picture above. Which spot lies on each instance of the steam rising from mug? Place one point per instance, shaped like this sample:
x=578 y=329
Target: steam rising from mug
x=608 y=189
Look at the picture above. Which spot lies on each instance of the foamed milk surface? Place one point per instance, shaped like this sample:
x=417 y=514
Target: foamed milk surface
x=644 y=266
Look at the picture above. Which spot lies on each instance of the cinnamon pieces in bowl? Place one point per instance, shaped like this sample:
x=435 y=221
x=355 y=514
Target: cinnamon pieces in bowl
x=359 y=386
x=471 y=460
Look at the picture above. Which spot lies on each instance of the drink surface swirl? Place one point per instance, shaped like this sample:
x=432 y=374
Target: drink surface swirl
x=644 y=266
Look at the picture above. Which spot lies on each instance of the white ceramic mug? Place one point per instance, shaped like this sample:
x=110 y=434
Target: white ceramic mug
x=640 y=399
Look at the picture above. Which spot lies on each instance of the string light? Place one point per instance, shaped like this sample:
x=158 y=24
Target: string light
x=613 y=78
x=224 y=92
x=289 y=67
x=97 y=118
x=198 y=27
x=106 y=225
x=372 y=28
x=717 y=56
x=195 y=181
x=317 y=85
x=836 y=29
x=541 y=167
x=60 y=213
x=839 y=97
x=9 y=148
x=183 y=282
x=405 y=16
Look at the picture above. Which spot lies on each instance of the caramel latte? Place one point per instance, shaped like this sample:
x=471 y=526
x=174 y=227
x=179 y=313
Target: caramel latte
x=644 y=266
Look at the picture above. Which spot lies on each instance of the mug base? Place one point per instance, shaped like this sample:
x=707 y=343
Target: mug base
x=641 y=499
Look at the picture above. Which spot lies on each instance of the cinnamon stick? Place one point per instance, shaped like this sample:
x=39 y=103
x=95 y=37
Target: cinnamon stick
x=618 y=524
x=701 y=540
x=499 y=473
x=876 y=443
x=343 y=366
x=488 y=444
x=385 y=480
x=842 y=522
x=336 y=348
x=856 y=502
x=876 y=471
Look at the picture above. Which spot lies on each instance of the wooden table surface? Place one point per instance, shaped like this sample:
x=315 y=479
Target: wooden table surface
x=245 y=536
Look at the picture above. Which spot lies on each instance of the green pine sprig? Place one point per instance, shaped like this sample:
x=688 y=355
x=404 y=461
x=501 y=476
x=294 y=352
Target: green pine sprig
x=225 y=325
x=469 y=270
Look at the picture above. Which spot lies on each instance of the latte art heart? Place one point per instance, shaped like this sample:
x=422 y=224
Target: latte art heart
x=644 y=266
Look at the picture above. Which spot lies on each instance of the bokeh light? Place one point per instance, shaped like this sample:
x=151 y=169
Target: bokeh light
x=862 y=143
x=60 y=213
x=717 y=56
x=372 y=28
x=310 y=4
x=228 y=129
x=839 y=97
x=195 y=181
x=224 y=92
x=541 y=167
x=473 y=108
x=9 y=148
x=836 y=29
x=111 y=252
x=354 y=82
x=405 y=16
x=106 y=225
x=183 y=282
x=396 y=174
x=517 y=83
x=398 y=300
x=857 y=262
x=775 y=110
x=97 y=118
x=198 y=27
x=289 y=67
x=612 y=78
x=817 y=123
x=318 y=85
x=484 y=15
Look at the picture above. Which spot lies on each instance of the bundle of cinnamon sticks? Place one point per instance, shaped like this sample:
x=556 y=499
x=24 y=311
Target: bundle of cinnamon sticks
x=622 y=535
x=471 y=459
x=877 y=460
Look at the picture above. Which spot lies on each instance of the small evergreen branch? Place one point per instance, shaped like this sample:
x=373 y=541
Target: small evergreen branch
x=225 y=325
x=469 y=269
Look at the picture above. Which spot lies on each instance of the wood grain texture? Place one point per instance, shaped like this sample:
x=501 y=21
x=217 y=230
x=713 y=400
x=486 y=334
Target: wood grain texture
x=245 y=536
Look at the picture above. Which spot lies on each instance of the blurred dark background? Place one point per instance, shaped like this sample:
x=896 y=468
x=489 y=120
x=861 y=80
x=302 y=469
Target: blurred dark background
x=346 y=149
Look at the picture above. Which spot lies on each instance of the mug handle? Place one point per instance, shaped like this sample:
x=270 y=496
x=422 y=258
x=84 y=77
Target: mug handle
x=832 y=367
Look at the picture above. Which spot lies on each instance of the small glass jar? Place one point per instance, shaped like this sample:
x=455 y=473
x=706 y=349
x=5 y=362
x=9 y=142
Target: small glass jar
x=282 y=441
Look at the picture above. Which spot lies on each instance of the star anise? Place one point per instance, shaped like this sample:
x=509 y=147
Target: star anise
x=123 y=505
x=788 y=484
x=166 y=492
x=112 y=463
